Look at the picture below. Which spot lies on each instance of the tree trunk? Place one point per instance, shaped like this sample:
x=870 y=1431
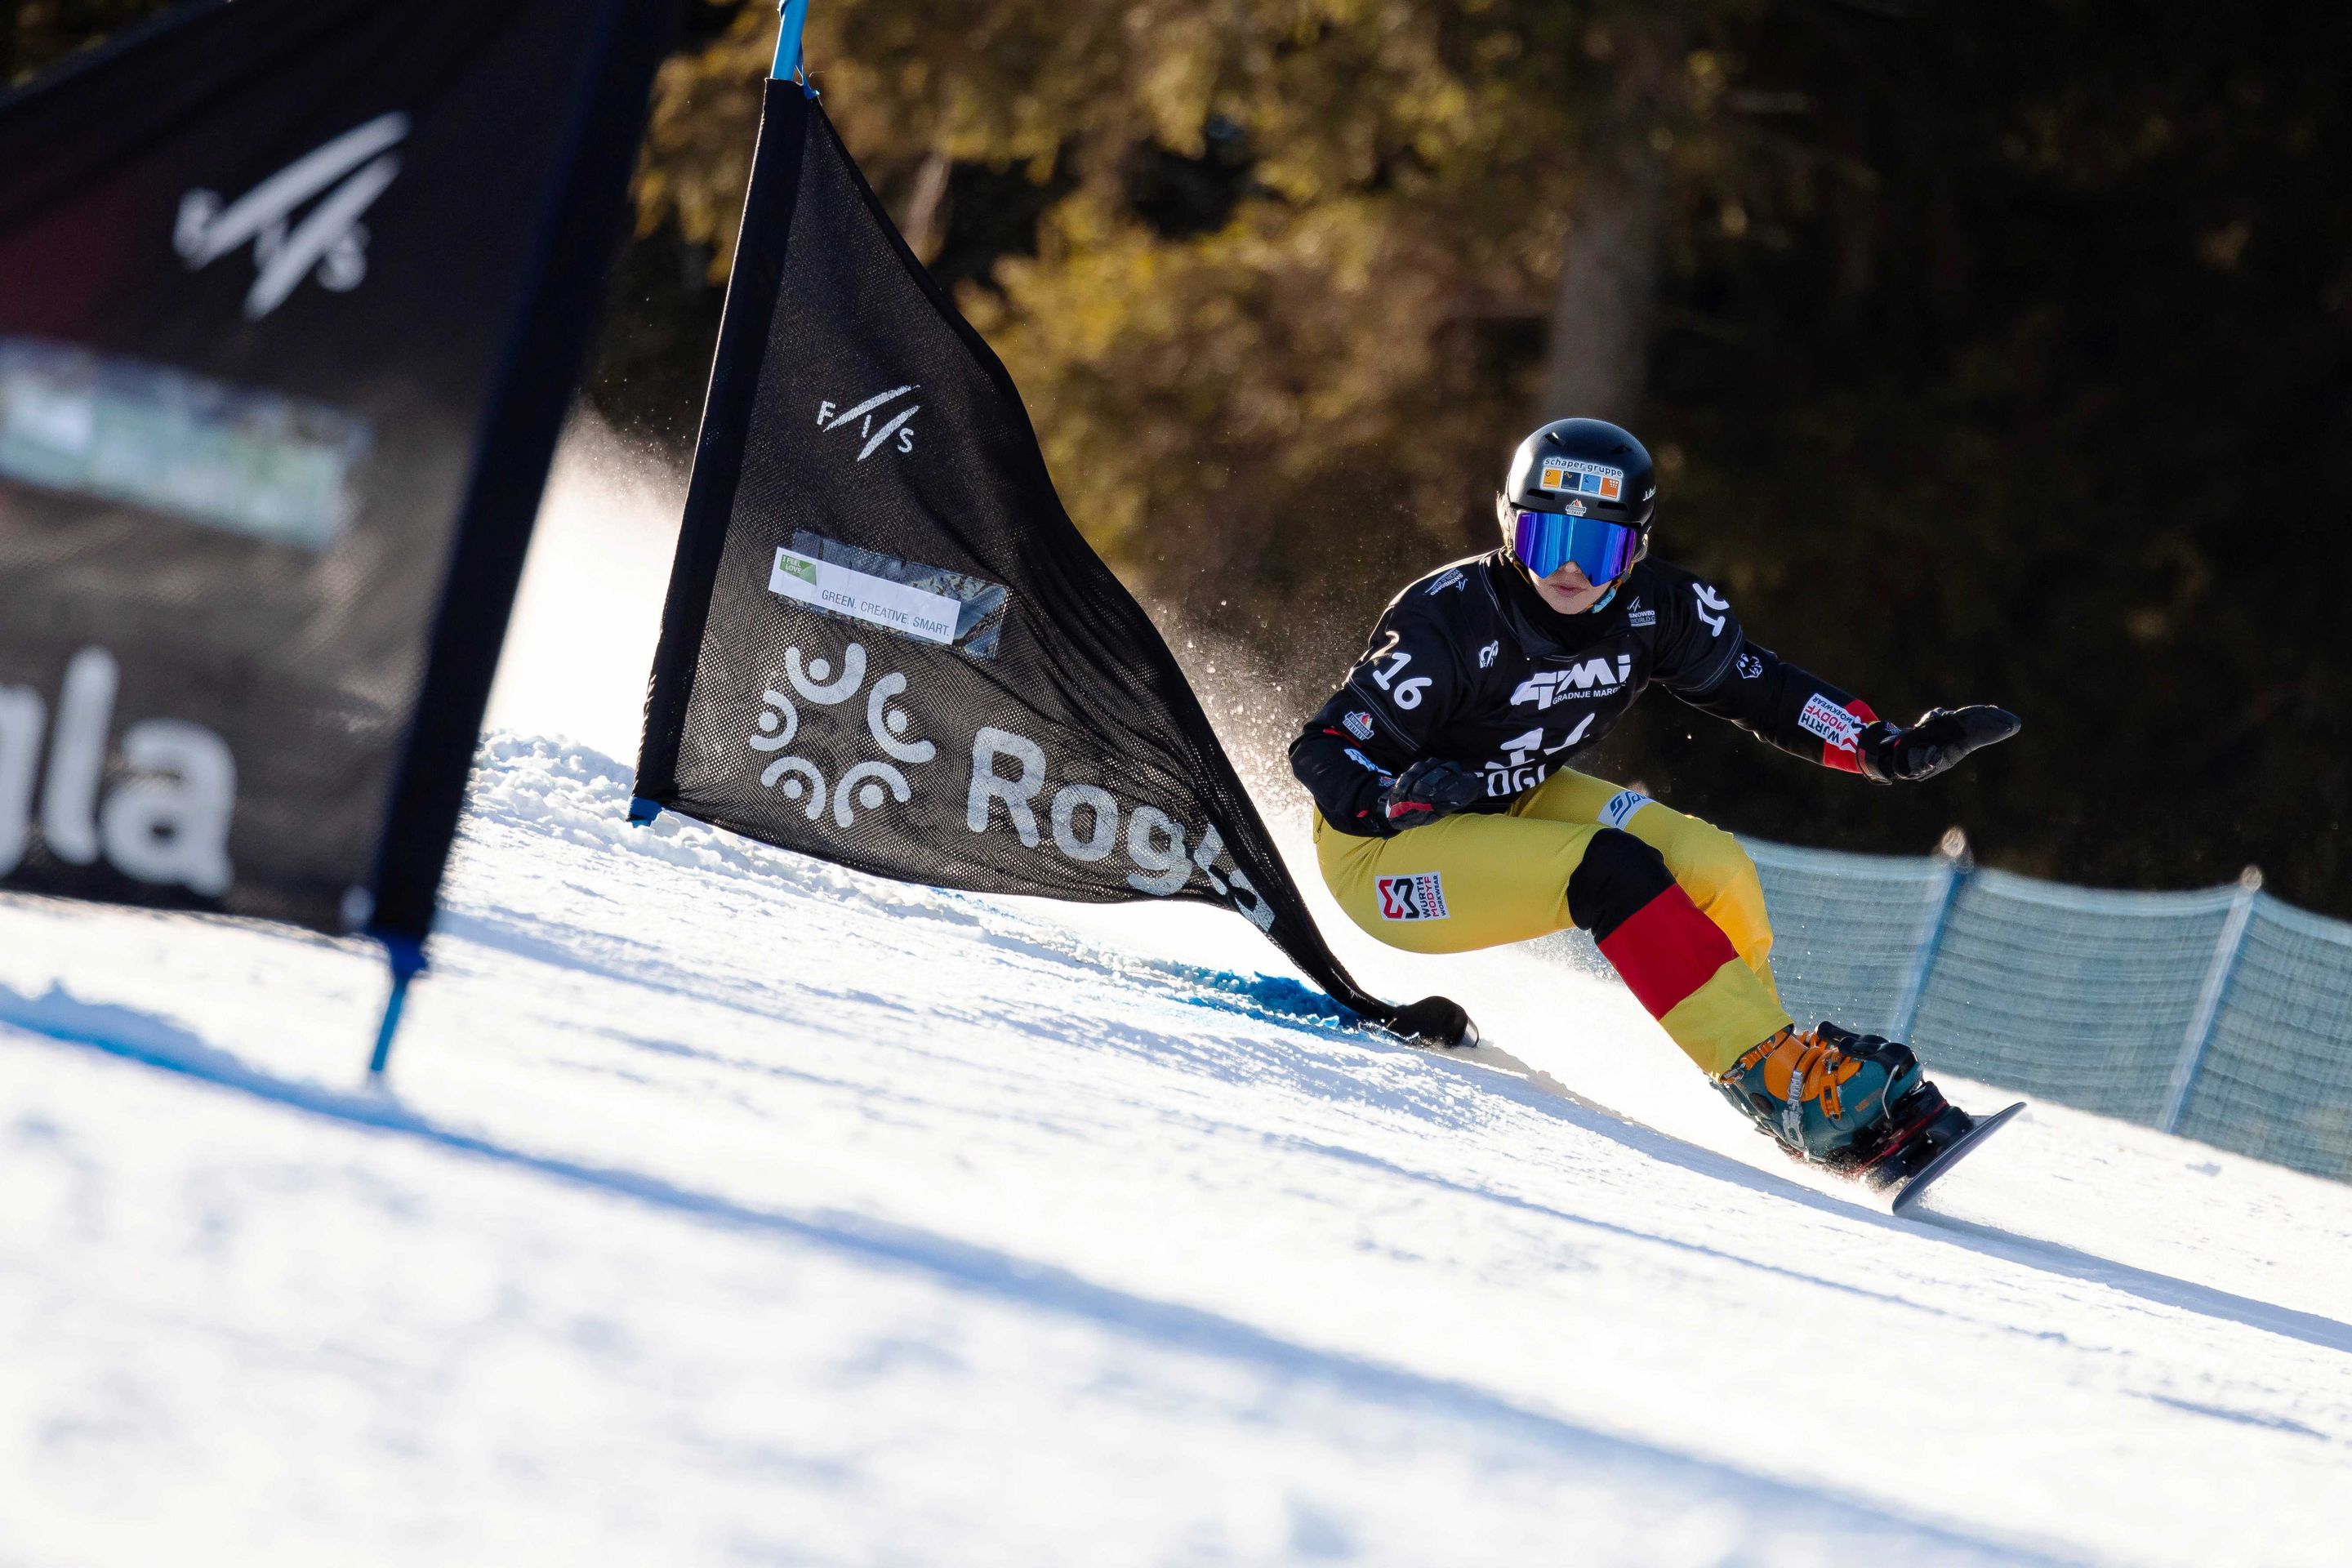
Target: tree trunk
x=926 y=224
x=1597 y=357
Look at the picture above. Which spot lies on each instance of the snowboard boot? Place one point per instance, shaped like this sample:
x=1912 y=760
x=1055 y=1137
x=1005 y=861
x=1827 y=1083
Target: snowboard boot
x=1841 y=1099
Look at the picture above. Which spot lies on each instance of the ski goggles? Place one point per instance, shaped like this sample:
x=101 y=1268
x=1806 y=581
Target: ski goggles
x=1547 y=541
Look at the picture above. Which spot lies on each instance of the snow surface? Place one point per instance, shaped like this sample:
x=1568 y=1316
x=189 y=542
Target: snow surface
x=726 y=1207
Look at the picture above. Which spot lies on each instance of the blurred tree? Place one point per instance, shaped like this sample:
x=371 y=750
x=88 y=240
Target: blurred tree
x=1989 y=353
x=38 y=34
x=1286 y=304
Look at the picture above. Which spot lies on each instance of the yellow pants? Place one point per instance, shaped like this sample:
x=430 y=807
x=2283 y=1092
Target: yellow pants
x=1476 y=880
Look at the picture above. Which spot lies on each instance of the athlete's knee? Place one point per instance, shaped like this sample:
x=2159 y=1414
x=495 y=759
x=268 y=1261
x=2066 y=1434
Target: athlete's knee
x=1720 y=878
x=1735 y=867
x=1617 y=876
x=1711 y=864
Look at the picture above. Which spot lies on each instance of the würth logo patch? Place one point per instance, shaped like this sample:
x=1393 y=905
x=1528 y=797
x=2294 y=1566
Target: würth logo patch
x=1421 y=896
x=1832 y=723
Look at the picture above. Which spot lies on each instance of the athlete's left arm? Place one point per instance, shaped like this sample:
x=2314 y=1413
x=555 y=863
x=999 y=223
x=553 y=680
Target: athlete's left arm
x=1706 y=659
x=1793 y=708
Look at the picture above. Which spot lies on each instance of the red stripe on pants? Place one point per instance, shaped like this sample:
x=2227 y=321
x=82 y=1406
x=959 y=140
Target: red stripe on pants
x=1667 y=950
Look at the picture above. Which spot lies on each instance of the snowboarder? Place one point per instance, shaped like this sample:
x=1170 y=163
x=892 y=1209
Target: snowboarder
x=1447 y=818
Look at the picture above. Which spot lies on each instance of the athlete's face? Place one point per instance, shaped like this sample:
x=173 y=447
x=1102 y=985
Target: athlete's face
x=1568 y=590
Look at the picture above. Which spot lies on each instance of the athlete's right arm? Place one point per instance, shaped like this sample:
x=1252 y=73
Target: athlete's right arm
x=1400 y=692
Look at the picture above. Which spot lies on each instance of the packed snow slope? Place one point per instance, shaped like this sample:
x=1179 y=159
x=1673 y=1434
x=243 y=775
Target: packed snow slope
x=725 y=1206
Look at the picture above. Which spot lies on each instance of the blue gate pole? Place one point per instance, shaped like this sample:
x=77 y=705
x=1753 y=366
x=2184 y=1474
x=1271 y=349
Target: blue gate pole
x=1957 y=863
x=2218 y=974
x=788 y=41
x=406 y=957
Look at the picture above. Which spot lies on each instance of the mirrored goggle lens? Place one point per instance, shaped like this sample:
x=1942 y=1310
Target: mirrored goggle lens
x=1547 y=541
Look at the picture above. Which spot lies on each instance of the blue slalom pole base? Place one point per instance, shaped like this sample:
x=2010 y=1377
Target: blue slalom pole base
x=642 y=810
x=406 y=958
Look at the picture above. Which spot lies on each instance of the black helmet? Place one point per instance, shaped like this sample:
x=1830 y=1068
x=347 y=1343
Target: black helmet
x=1586 y=461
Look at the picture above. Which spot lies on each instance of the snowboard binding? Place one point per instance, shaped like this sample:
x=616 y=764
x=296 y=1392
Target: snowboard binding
x=1936 y=1136
x=1921 y=1136
x=1920 y=1139
x=1920 y=1126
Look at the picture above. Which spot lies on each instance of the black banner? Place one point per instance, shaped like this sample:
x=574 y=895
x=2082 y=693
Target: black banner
x=292 y=294
x=886 y=644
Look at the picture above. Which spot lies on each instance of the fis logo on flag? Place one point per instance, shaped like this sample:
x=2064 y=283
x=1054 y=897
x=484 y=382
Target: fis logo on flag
x=1421 y=896
x=1571 y=476
x=864 y=414
x=330 y=242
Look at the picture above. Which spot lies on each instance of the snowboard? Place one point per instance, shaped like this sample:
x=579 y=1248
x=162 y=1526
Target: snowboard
x=1908 y=1170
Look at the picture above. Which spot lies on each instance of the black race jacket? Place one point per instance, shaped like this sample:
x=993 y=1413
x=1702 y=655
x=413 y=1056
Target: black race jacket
x=1469 y=664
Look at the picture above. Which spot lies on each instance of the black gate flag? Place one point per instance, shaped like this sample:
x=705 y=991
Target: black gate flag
x=292 y=293
x=886 y=644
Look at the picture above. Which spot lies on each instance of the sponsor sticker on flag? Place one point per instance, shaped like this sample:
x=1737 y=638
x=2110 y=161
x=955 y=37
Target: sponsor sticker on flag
x=862 y=596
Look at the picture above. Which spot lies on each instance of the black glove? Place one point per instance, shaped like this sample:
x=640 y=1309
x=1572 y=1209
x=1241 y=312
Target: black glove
x=1940 y=738
x=1429 y=789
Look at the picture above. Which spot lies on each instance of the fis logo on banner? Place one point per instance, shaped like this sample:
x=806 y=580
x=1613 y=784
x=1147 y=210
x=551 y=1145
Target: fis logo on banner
x=330 y=242
x=865 y=412
x=1421 y=896
x=1570 y=476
